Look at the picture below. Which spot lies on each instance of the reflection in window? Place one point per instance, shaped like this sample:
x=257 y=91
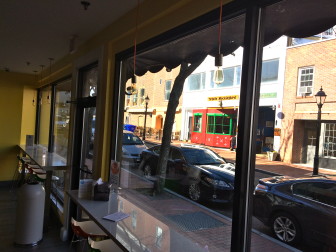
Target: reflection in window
x=323 y=192
x=45 y=101
x=269 y=71
x=90 y=81
x=159 y=234
x=168 y=87
x=89 y=130
x=197 y=122
x=196 y=81
x=134 y=219
x=121 y=206
x=62 y=118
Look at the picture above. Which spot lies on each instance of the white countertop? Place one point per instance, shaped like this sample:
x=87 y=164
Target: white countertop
x=46 y=160
x=138 y=231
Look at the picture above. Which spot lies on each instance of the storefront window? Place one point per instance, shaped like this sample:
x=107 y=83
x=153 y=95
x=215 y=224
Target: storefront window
x=329 y=144
x=197 y=122
x=231 y=77
x=219 y=124
x=168 y=87
x=196 y=81
x=270 y=69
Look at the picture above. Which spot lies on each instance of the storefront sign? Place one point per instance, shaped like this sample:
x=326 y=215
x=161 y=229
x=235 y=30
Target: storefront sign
x=277 y=132
x=268 y=95
x=223 y=98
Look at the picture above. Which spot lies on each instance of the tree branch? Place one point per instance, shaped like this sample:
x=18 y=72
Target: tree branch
x=185 y=70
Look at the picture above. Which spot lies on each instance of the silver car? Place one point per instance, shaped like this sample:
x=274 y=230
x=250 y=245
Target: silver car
x=132 y=147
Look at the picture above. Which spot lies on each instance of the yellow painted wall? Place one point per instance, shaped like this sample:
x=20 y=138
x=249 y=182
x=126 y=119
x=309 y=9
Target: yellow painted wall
x=11 y=107
x=28 y=112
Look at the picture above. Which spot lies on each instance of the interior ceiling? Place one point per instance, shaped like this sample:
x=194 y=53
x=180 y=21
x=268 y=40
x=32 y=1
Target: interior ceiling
x=35 y=30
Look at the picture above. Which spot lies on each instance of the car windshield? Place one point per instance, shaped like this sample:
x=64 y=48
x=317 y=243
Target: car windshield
x=130 y=139
x=201 y=156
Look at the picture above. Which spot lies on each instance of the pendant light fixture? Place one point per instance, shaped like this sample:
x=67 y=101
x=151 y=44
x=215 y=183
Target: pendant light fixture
x=34 y=96
x=135 y=43
x=218 y=76
x=42 y=67
x=48 y=96
x=132 y=89
x=85 y=4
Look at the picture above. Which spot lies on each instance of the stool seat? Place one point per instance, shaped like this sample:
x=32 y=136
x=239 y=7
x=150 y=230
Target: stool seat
x=26 y=159
x=34 y=166
x=38 y=171
x=103 y=246
x=87 y=229
x=44 y=176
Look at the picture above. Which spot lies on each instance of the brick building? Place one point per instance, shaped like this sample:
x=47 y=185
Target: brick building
x=158 y=87
x=308 y=68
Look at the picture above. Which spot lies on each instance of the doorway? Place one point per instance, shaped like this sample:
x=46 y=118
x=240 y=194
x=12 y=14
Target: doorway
x=85 y=121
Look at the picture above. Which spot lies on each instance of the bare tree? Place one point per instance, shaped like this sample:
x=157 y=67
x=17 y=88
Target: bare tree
x=185 y=70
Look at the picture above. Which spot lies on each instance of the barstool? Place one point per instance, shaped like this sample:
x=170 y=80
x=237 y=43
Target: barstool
x=85 y=229
x=21 y=171
x=103 y=246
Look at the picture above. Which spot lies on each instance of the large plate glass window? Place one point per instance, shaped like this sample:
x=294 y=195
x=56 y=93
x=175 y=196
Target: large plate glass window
x=62 y=117
x=44 y=116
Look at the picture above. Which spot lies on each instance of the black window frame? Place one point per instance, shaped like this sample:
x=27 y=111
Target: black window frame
x=52 y=112
x=249 y=102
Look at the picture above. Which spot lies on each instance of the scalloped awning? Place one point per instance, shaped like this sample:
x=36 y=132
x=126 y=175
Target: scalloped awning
x=293 y=18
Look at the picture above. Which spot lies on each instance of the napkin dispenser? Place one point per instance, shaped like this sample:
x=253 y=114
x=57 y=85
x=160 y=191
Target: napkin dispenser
x=101 y=192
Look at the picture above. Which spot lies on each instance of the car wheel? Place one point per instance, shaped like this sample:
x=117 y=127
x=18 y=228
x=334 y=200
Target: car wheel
x=194 y=192
x=286 y=228
x=147 y=171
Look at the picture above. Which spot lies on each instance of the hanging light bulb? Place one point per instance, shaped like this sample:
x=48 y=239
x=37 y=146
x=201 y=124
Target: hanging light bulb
x=218 y=74
x=135 y=43
x=48 y=96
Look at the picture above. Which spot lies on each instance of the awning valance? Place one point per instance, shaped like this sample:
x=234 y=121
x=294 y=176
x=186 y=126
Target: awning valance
x=293 y=18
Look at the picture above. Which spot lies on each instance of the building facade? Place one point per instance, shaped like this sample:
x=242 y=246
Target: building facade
x=211 y=111
x=308 y=68
x=157 y=86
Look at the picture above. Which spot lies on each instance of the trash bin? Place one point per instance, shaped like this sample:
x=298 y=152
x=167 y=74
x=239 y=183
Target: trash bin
x=130 y=127
x=29 y=214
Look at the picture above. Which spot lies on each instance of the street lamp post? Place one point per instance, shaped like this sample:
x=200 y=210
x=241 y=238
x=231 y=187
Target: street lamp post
x=144 y=131
x=320 y=98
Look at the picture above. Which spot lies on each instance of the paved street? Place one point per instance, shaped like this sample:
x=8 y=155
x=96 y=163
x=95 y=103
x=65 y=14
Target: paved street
x=264 y=168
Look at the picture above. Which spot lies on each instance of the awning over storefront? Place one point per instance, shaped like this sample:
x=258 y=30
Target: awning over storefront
x=293 y=18
x=141 y=110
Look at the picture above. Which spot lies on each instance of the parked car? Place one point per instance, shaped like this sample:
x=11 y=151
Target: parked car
x=196 y=171
x=132 y=146
x=298 y=209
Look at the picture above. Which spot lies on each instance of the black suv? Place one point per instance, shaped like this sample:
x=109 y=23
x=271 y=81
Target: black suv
x=196 y=171
x=298 y=208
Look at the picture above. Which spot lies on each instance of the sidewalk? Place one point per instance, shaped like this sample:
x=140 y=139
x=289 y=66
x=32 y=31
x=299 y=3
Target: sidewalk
x=262 y=163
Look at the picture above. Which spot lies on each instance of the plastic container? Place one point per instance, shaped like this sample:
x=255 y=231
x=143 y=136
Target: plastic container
x=130 y=127
x=29 y=215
